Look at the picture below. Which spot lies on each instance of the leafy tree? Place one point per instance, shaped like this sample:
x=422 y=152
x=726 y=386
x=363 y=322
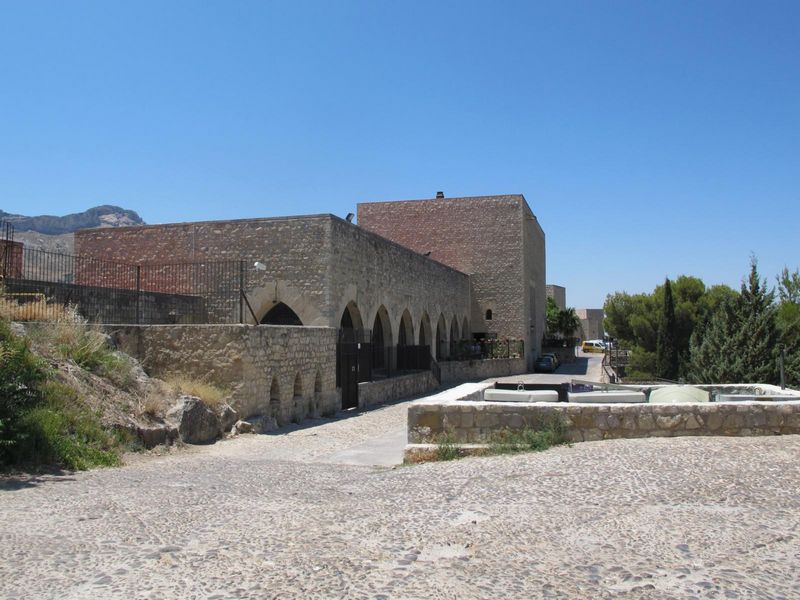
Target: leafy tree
x=666 y=348
x=561 y=323
x=552 y=311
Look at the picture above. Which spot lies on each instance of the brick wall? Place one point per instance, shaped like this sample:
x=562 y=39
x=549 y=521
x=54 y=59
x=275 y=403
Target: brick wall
x=11 y=258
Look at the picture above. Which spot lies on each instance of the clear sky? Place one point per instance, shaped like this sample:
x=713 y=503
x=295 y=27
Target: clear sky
x=651 y=139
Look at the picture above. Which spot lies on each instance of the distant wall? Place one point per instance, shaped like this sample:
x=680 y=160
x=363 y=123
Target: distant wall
x=247 y=360
x=467 y=370
x=371 y=393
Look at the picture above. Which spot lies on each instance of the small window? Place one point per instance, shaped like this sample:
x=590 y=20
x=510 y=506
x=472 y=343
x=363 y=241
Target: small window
x=489 y=315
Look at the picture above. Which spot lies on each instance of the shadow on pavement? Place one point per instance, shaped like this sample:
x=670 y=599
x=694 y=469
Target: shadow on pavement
x=579 y=367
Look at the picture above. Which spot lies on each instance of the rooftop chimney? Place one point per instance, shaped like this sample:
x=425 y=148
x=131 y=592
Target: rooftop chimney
x=439 y=195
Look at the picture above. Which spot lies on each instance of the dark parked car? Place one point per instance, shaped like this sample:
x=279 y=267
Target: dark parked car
x=545 y=364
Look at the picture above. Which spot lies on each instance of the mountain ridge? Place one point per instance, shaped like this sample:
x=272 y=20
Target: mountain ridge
x=105 y=215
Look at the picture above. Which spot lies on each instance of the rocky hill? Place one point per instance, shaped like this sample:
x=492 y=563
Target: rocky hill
x=99 y=216
x=55 y=234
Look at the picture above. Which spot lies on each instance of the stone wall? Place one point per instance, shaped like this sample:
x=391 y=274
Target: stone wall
x=371 y=393
x=475 y=422
x=317 y=265
x=494 y=239
x=372 y=273
x=288 y=373
x=466 y=370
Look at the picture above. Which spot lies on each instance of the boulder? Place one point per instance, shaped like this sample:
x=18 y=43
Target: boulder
x=243 y=427
x=196 y=423
x=227 y=418
x=156 y=435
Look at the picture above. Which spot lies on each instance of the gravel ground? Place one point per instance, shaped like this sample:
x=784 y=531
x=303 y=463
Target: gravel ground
x=270 y=516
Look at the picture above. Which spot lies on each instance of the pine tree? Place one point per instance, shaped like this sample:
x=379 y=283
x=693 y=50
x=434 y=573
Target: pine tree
x=739 y=344
x=666 y=347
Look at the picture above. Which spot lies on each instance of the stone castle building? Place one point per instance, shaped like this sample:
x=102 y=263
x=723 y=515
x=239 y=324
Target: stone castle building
x=427 y=272
x=559 y=295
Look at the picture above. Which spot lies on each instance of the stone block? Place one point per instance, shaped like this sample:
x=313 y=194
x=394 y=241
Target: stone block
x=693 y=422
x=668 y=421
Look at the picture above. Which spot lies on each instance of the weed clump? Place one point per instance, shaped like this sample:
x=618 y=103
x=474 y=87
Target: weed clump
x=550 y=432
x=446 y=448
x=211 y=395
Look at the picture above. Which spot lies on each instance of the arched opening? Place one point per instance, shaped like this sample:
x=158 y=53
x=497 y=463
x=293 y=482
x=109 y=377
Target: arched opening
x=405 y=337
x=281 y=314
x=317 y=400
x=441 y=339
x=382 y=341
x=351 y=317
x=425 y=336
x=275 y=401
x=454 y=337
x=465 y=332
x=489 y=314
x=298 y=402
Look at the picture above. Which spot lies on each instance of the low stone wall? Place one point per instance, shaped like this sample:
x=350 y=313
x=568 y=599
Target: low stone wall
x=475 y=422
x=371 y=393
x=288 y=373
x=466 y=370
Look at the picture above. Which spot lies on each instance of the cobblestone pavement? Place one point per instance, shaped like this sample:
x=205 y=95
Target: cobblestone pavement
x=267 y=516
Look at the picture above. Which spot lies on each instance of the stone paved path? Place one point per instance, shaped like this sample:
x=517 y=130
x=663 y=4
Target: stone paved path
x=275 y=516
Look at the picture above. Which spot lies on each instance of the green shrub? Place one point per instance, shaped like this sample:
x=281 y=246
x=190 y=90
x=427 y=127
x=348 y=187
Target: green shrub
x=21 y=372
x=62 y=431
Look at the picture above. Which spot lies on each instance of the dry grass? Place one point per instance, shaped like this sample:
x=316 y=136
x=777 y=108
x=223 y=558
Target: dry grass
x=32 y=307
x=211 y=395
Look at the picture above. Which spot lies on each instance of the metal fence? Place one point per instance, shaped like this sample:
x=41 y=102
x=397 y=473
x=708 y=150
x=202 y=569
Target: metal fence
x=36 y=283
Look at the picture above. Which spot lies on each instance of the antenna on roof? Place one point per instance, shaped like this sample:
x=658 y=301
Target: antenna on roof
x=349 y=217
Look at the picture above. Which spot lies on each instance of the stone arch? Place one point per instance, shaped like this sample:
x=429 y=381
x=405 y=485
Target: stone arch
x=382 y=339
x=275 y=400
x=270 y=293
x=351 y=317
x=281 y=314
x=425 y=335
x=441 y=338
x=465 y=332
x=405 y=333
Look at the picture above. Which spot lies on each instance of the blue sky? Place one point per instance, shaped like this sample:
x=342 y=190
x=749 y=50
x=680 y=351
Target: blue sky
x=651 y=139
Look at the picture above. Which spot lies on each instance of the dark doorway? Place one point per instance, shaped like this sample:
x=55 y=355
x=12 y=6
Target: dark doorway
x=281 y=314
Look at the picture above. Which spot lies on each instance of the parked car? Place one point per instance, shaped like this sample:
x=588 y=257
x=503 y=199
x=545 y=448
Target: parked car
x=593 y=346
x=554 y=357
x=544 y=364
